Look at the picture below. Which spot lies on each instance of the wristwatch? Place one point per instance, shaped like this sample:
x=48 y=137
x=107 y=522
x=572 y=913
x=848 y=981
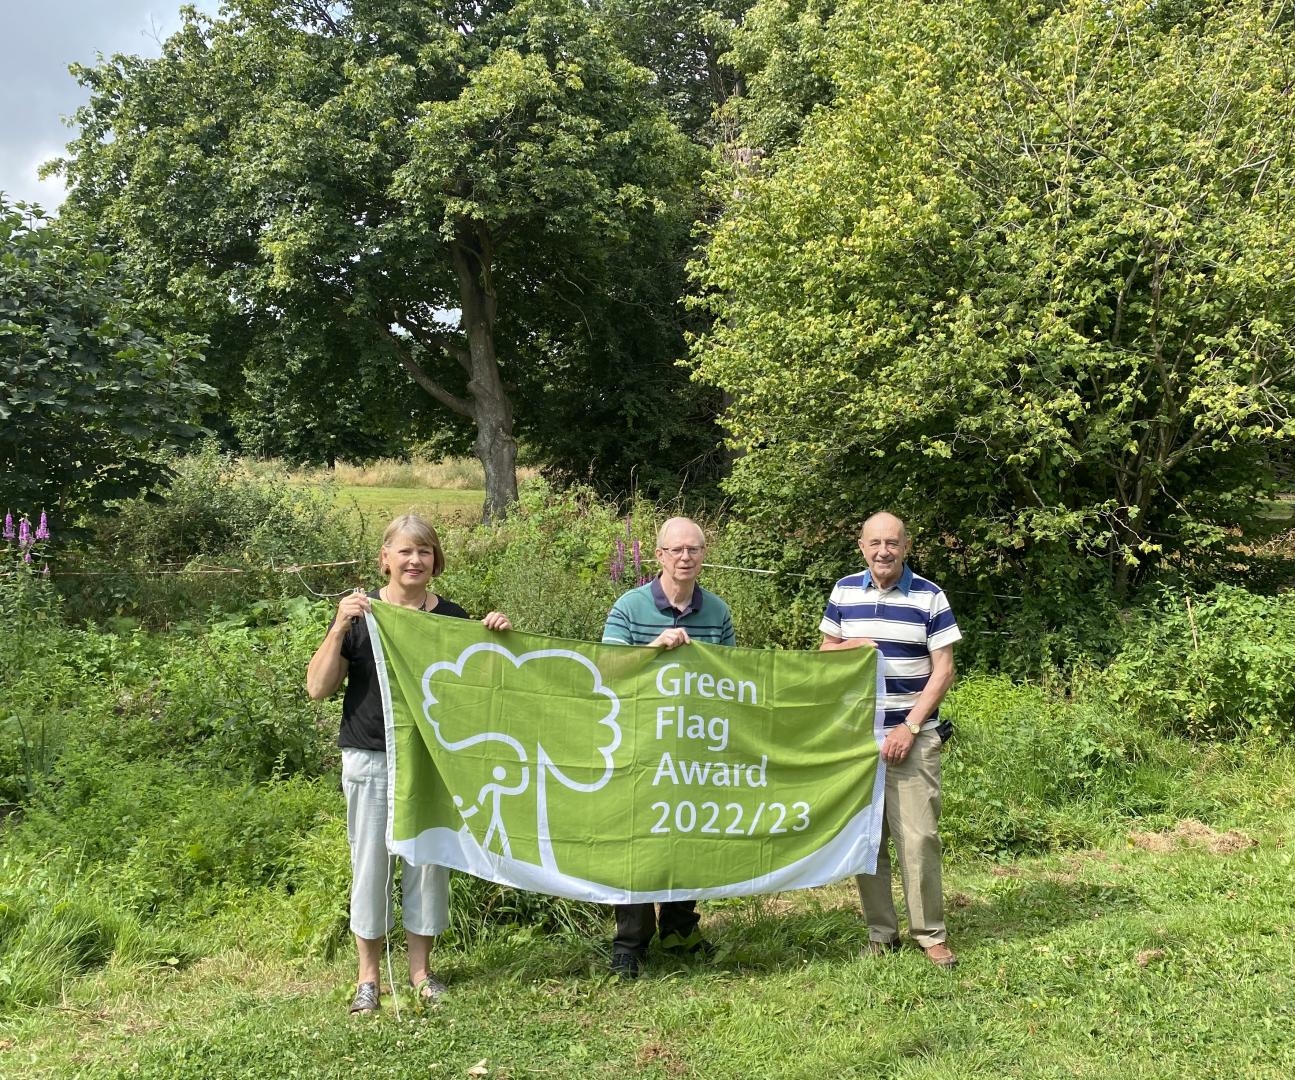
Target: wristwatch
x=914 y=728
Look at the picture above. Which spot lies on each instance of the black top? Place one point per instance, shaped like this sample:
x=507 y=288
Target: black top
x=363 y=726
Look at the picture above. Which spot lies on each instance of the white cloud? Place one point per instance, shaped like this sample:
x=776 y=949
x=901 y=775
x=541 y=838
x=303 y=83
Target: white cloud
x=39 y=41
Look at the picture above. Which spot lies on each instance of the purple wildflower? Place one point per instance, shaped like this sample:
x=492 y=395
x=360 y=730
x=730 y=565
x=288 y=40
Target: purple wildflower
x=26 y=556
x=45 y=570
x=24 y=534
x=42 y=530
x=638 y=560
x=8 y=526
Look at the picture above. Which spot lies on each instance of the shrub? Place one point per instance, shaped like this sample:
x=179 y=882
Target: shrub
x=166 y=832
x=161 y=557
x=559 y=562
x=234 y=698
x=1216 y=666
x=1028 y=770
x=549 y=564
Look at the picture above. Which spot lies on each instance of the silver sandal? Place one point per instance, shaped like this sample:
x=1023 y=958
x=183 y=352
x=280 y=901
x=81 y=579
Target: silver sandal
x=366 y=999
x=429 y=989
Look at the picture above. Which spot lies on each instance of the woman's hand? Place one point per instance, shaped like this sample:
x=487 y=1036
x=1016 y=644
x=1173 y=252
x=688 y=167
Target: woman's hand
x=354 y=605
x=497 y=621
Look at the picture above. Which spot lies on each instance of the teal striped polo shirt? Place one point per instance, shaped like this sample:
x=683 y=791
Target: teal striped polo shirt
x=639 y=615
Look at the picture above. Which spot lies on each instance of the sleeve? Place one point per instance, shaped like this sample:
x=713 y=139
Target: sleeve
x=941 y=627
x=727 y=635
x=448 y=609
x=830 y=624
x=616 y=630
x=356 y=640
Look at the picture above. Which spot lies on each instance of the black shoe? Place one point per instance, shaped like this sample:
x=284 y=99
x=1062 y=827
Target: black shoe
x=625 y=965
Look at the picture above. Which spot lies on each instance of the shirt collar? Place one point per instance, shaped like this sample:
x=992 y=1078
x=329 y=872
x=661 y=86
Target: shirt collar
x=904 y=583
x=663 y=602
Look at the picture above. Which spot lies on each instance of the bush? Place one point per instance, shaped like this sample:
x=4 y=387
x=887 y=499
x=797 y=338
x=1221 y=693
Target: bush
x=166 y=833
x=1216 y=666
x=161 y=557
x=559 y=562
x=234 y=699
x=548 y=565
x=227 y=700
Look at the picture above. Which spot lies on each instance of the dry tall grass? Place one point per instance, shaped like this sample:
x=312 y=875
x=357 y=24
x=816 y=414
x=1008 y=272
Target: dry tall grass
x=455 y=474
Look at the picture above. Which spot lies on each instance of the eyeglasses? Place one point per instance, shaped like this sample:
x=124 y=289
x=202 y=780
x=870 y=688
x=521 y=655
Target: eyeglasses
x=680 y=552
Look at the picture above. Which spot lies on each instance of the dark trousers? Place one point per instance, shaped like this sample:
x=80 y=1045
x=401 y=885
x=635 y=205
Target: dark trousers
x=636 y=923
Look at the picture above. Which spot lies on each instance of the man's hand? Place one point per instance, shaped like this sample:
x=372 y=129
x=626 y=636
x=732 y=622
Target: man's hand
x=671 y=638
x=897 y=744
x=497 y=621
x=830 y=644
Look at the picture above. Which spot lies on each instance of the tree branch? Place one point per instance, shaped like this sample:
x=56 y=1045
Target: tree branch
x=451 y=401
x=435 y=339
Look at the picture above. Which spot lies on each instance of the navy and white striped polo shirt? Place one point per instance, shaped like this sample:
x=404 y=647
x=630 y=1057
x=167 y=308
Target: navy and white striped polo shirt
x=907 y=621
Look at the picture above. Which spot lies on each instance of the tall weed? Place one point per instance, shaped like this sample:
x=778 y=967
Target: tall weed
x=1215 y=666
x=56 y=925
x=1028 y=770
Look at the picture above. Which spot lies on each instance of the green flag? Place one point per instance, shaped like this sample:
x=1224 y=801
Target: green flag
x=622 y=774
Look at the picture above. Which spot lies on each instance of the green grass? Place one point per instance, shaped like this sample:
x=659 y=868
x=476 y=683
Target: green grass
x=376 y=506
x=1116 y=962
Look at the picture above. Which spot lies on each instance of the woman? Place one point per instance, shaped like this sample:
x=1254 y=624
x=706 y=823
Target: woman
x=410 y=557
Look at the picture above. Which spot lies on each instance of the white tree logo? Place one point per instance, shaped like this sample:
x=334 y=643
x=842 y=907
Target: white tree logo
x=514 y=778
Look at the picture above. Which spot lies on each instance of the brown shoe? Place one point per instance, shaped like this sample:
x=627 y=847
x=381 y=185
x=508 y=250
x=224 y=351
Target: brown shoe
x=880 y=948
x=941 y=955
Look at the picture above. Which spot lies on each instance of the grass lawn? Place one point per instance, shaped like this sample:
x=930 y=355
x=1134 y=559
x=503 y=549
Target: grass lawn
x=1161 y=956
x=376 y=506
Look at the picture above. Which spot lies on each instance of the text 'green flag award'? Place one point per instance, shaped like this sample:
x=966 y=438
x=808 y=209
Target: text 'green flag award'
x=623 y=774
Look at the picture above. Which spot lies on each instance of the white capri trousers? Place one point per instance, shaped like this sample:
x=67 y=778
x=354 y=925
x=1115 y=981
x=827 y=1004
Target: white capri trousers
x=424 y=890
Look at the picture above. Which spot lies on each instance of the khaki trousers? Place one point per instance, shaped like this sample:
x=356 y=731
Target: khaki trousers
x=912 y=820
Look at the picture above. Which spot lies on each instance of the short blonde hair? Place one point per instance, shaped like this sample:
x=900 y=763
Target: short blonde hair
x=420 y=531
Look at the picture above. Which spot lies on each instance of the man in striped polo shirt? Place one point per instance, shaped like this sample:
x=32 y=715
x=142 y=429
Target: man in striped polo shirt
x=909 y=620
x=669 y=611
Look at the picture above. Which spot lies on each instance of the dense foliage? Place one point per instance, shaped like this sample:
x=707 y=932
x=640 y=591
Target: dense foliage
x=1030 y=267
x=89 y=395
x=1217 y=666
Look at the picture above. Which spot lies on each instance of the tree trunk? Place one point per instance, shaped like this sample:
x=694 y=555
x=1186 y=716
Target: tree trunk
x=492 y=411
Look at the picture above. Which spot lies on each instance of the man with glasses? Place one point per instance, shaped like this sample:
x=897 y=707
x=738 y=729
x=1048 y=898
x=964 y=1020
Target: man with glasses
x=669 y=611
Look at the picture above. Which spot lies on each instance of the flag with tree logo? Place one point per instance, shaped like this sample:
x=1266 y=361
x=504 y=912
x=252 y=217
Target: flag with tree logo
x=623 y=774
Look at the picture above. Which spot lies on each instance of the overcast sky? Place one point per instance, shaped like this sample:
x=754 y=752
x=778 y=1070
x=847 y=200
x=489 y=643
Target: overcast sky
x=40 y=39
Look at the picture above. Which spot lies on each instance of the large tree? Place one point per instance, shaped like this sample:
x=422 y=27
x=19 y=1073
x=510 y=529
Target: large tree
x=1026 y=280
x=380 y=163
x=90 y=398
